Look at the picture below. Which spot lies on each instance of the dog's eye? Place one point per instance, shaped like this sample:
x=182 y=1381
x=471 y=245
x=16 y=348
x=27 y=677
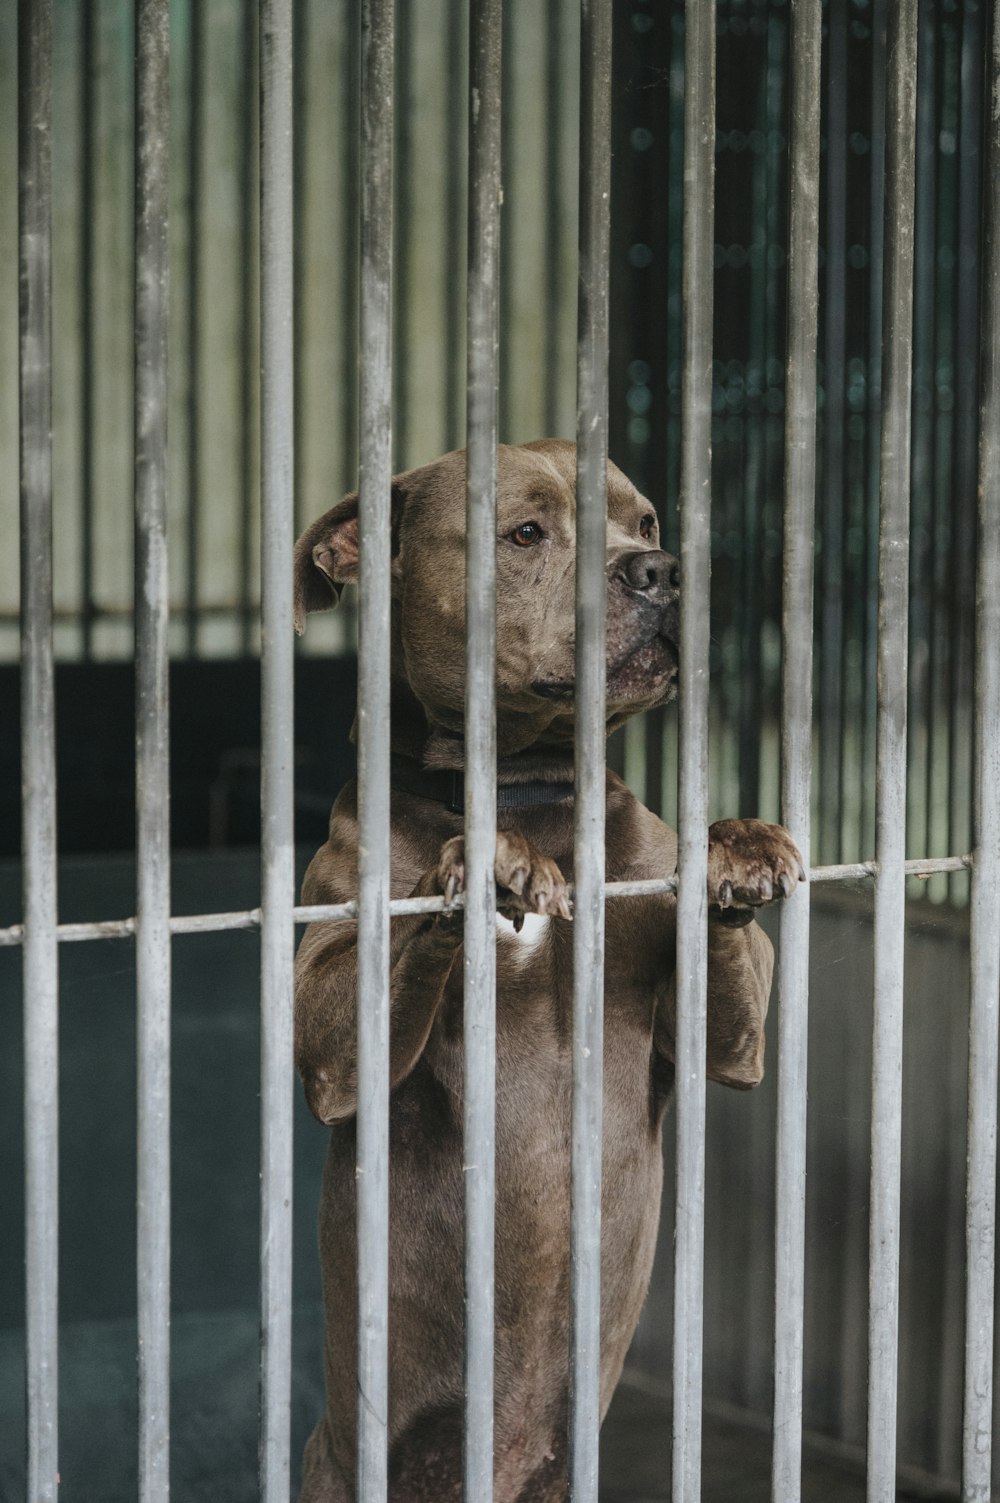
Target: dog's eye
x=526 y=534
x=646 y=525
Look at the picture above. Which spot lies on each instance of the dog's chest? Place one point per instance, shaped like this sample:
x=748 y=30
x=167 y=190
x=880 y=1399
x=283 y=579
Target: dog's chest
x=522 y=946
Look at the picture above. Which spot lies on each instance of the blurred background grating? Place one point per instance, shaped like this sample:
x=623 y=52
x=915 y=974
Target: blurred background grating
x=214 y=338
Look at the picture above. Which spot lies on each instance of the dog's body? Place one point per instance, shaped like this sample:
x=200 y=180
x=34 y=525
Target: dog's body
x=748 y=864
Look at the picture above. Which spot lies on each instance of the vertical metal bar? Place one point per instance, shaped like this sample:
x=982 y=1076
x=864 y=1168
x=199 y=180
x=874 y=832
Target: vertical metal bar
x=196 y=146
x=38 y=763
x=348 y=311
x=480 y=740
x=923 y=523
x=832 y=557
x=692 y=915
x=589 y=744
x=796 y=744
x=873 y=422
x=890 y=831
x=249 y=333
x=985 y=897
x=453 y=119
x=374 y=512
x=403 y=232
x=277 y=847
x=966 y=330
x=675 y=271
x=554 y=93
x=480 y=743
x=88 y=207
x=152 y=787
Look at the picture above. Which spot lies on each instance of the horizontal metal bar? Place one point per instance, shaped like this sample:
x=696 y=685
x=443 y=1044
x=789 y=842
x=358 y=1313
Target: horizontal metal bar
x=923 y=867
x=249 y=918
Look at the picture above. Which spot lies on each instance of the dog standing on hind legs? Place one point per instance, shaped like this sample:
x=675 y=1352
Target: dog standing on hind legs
x=749 y=864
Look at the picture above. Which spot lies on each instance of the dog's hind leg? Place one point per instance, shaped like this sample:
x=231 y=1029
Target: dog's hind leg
x=425 y=1464
x=322 y=1481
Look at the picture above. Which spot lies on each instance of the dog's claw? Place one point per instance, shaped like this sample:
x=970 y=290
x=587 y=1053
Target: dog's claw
x=802 y=873
x=518 y=922
x=784 y=884
x=725 y=894
x=766 y=888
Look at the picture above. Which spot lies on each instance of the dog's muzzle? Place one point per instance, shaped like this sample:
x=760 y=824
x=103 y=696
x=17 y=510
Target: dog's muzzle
x=654 y=577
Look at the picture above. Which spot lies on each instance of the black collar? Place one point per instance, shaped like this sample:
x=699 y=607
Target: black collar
x=447 y=786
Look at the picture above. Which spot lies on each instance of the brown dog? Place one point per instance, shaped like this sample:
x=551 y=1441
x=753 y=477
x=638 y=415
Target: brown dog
x=749 y=864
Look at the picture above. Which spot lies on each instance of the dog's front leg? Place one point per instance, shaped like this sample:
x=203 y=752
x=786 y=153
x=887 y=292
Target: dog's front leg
x=422 y=951
x=750 y=864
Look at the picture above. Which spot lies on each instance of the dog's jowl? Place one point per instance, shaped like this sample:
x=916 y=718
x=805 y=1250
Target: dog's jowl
x=750 y=863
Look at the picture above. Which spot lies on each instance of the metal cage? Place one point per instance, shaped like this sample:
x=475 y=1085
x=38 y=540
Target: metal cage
x=41 y=933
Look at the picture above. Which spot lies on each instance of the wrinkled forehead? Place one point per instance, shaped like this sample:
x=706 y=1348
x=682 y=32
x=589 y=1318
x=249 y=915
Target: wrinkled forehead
x=543 y=473
x=560 y=455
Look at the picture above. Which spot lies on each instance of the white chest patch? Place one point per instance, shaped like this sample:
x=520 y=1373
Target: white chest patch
x=533 y=931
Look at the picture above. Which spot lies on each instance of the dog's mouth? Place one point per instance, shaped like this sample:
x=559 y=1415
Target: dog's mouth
x=646 y=671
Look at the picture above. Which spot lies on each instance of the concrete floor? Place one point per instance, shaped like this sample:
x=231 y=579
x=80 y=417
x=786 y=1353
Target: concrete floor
x=214 y=1423
x=736 y=1459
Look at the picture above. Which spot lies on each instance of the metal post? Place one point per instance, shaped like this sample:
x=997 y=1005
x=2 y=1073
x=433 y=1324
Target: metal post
x=374 y=512
x=692 y=850
x=38 y=763
x=152 y=793
x=985 y=897
x=890 y=835
x=796 y=746
x=480 y=742
x=197 y=113
x=873 y=415
x=277 y=840
x=832 y=560
x=589 y=747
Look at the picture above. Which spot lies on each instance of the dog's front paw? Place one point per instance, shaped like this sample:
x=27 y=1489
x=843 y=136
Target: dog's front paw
x=749 y=864
x=527 y=881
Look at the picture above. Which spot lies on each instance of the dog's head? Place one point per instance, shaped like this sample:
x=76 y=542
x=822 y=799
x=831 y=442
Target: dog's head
x=535 y=569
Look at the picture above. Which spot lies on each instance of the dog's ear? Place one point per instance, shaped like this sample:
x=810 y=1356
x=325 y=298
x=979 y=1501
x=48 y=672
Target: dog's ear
x=327 y=554
x=325 y=559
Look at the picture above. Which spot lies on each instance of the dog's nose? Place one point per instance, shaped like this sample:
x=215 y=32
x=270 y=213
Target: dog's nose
x=651 y=573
